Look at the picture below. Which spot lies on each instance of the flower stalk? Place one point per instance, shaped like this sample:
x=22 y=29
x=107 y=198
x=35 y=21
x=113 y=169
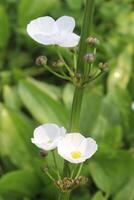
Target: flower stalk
x=81 y=68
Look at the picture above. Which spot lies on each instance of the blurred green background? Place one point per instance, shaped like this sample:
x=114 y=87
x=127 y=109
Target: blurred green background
x=30 y=96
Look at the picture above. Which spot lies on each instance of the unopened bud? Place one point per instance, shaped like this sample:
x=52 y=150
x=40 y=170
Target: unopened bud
x=103 y=66
x=41 y=60
x=42 y=153
x=93 y=41
x=89 y=57
x=59 y=63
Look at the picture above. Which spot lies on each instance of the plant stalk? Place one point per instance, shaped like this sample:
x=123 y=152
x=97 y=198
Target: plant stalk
x=81 y=68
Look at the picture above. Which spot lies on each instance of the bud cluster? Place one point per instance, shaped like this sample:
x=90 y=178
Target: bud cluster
x=68 y=184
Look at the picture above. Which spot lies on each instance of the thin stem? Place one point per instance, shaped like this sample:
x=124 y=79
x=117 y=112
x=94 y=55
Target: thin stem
x=79 y=170
x=67 y=67
x=55 y=73
x=75 y=59
x=95 y=77
x=55 y=163
x=49 y=175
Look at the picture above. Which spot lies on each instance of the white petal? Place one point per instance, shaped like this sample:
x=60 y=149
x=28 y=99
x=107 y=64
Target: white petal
x=41 y=25
x=75 y=142
x=68 y=144
x=39 y=145
x=75 y=161
x=68 y=40
x=44 y=39
x=41 y=30
x=65 y=23
x=48 y=135
x=91 y=147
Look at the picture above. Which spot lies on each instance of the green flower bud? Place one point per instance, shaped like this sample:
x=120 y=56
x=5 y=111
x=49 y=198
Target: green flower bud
x=89 y=57
x=41 y=60
x=93 y=41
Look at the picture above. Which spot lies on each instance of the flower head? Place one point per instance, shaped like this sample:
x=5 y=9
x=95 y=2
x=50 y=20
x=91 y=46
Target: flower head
x=75 y=148
x=47 y=136
x=47 y=31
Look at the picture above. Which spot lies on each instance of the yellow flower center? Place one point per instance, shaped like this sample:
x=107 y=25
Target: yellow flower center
x=76 y=154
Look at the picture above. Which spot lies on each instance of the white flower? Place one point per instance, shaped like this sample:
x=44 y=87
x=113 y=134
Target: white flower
x=47 y=136
x=47 y=31
x=75 y=148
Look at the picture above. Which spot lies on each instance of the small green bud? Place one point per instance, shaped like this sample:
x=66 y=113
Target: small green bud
x=89 y=57
x=42 y=153
x=59 y=63
x=41 y=60
x=103 y=67
x=93 y=41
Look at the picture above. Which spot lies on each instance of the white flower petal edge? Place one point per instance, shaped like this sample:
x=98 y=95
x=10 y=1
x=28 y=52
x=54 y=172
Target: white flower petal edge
x=47 y=136
x=47 y=31
x=75 y=148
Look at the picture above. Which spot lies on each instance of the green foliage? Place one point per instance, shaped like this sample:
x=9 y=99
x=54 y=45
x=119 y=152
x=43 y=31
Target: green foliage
x=5 y=29
x=20 y=183
x=42 y=106
x=30 y=96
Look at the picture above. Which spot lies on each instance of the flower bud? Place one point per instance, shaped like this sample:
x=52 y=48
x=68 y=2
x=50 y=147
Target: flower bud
x=93 y=41
x=89 y=57
x=42 y=153
x=81 y=180
x=103 y=66
x=41 y=60
x=59 y=63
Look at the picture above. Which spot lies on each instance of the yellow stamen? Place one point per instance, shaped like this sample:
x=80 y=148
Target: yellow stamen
x=76 y=154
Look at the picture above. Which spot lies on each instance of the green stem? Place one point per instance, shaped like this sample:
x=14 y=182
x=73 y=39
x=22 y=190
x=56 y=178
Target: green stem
x=56 y=74
x=79 y=170
x=55 y=163
x=86 y=31
x=78 y=94
x=76 y=108
x=50 y=176
x=65 y=196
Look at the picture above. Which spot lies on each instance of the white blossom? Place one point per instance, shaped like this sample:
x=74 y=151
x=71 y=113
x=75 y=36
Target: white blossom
x=47 y=136
x=47 y=31
x=75 y=148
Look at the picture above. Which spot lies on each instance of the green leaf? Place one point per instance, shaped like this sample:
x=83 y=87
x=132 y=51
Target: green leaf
x=11 y=97
x=67 y=95
x=33 y=9
x=16 y=133
x=127 y=190
x=75 y=4
x=42 y=106
x=90 y=109
x=20 y=183
x=110 y=173
x=98 y=196
x=121 y=74
x=4 y=28
x=112 y=119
